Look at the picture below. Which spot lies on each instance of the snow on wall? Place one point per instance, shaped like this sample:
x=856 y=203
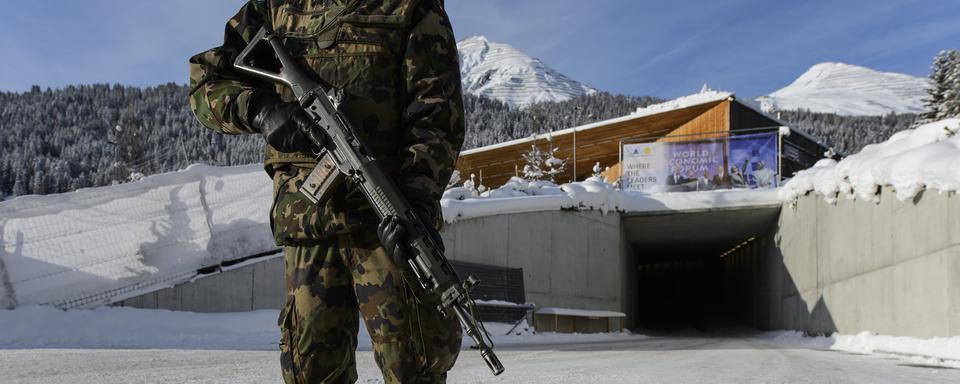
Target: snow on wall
x=98 y=245
x=518 y=195
x=910 y=161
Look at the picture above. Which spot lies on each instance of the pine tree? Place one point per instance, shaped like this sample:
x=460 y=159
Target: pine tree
x=554 y=165
x=534 y=160
x=950 y=107
x=943 y=85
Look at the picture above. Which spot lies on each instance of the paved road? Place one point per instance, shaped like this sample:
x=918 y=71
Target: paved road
x=648 y=360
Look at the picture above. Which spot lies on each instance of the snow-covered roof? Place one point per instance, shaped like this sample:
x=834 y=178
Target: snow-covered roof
x=579 y=312
x=705 y=96
x=909 y=161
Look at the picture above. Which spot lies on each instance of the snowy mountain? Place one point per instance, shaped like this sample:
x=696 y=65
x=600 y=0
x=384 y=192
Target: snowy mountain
x=847 y=89
x=504 y=73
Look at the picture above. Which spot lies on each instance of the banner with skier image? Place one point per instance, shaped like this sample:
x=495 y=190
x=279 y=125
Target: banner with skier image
x=753 y=161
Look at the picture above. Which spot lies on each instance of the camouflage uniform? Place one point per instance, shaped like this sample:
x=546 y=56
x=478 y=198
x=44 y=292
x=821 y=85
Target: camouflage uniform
x=397 y=64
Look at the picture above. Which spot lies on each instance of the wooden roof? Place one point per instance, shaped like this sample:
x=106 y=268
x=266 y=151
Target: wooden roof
x=598 y=142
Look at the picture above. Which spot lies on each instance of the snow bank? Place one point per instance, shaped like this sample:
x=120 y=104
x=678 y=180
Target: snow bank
x=944 y=351
x=132 y=328
x=518 y=196
x=99 y=245
x=111 y=327
x=910 y=161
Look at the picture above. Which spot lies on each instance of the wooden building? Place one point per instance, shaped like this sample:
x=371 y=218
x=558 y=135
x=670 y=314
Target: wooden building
x=709 y=114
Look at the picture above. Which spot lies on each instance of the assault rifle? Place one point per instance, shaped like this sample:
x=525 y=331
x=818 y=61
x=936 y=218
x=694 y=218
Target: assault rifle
x=344 y=157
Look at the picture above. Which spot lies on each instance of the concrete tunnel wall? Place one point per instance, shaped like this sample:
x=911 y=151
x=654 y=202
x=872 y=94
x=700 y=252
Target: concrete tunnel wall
x=891 y=268
x=569 y=259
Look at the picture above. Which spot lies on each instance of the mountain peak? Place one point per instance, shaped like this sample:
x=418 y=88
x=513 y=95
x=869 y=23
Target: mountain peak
x=848 y=89
x=502 y=72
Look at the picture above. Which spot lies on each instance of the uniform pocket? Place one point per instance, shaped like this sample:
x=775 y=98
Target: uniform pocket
x=290 y=359
x=293 y=217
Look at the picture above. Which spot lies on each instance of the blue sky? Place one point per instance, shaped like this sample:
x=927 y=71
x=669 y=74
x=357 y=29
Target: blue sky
x=637 y=47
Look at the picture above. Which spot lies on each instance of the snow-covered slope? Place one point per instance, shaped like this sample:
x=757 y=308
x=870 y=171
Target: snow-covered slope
x=847 y=89
x=100 y=245
x=502 y=72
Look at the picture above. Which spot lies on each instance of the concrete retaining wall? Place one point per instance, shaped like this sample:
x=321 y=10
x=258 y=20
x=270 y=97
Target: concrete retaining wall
x=251 y=287
x=569 y=259
x=891 y=268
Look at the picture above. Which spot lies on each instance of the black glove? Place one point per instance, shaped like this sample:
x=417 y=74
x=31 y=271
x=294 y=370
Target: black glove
x=282 y=124
x=393 y=234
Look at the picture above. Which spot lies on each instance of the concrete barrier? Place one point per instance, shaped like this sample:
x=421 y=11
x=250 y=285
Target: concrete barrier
x=890 y=267
x=569 y=259
x=250 y=287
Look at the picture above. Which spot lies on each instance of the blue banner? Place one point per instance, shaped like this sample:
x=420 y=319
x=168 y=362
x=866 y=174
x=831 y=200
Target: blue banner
x=752 y=161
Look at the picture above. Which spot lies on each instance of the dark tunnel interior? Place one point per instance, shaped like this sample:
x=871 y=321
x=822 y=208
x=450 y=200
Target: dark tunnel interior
x=699 y=270
x=699 y=288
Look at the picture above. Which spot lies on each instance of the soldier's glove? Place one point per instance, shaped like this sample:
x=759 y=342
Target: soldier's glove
x=282 y=124
x=393 y=234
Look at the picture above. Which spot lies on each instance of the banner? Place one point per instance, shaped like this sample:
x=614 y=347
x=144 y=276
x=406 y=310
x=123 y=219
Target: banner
x=747 y=161
x=644 y=167
x=753 y=161
x=693 y=164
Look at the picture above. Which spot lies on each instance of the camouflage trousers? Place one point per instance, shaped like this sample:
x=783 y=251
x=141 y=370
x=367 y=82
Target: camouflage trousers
x=327 y=285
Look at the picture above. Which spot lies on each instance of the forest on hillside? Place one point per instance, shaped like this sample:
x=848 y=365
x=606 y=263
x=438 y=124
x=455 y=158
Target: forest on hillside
x=848 y=134
x=93 y=135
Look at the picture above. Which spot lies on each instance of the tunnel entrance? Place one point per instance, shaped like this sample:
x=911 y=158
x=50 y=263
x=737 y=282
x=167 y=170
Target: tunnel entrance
x=697 y=271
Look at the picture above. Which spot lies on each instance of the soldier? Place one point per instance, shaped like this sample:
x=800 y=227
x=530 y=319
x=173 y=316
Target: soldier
x=397 y=64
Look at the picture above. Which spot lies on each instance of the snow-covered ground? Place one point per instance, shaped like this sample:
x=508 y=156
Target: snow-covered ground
x=938 y=351
x=119 y=327
x=927 y=157
x=125 y=345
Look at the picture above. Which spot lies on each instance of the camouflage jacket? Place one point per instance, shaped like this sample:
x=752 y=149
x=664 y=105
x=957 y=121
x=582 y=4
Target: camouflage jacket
x=397 y=64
